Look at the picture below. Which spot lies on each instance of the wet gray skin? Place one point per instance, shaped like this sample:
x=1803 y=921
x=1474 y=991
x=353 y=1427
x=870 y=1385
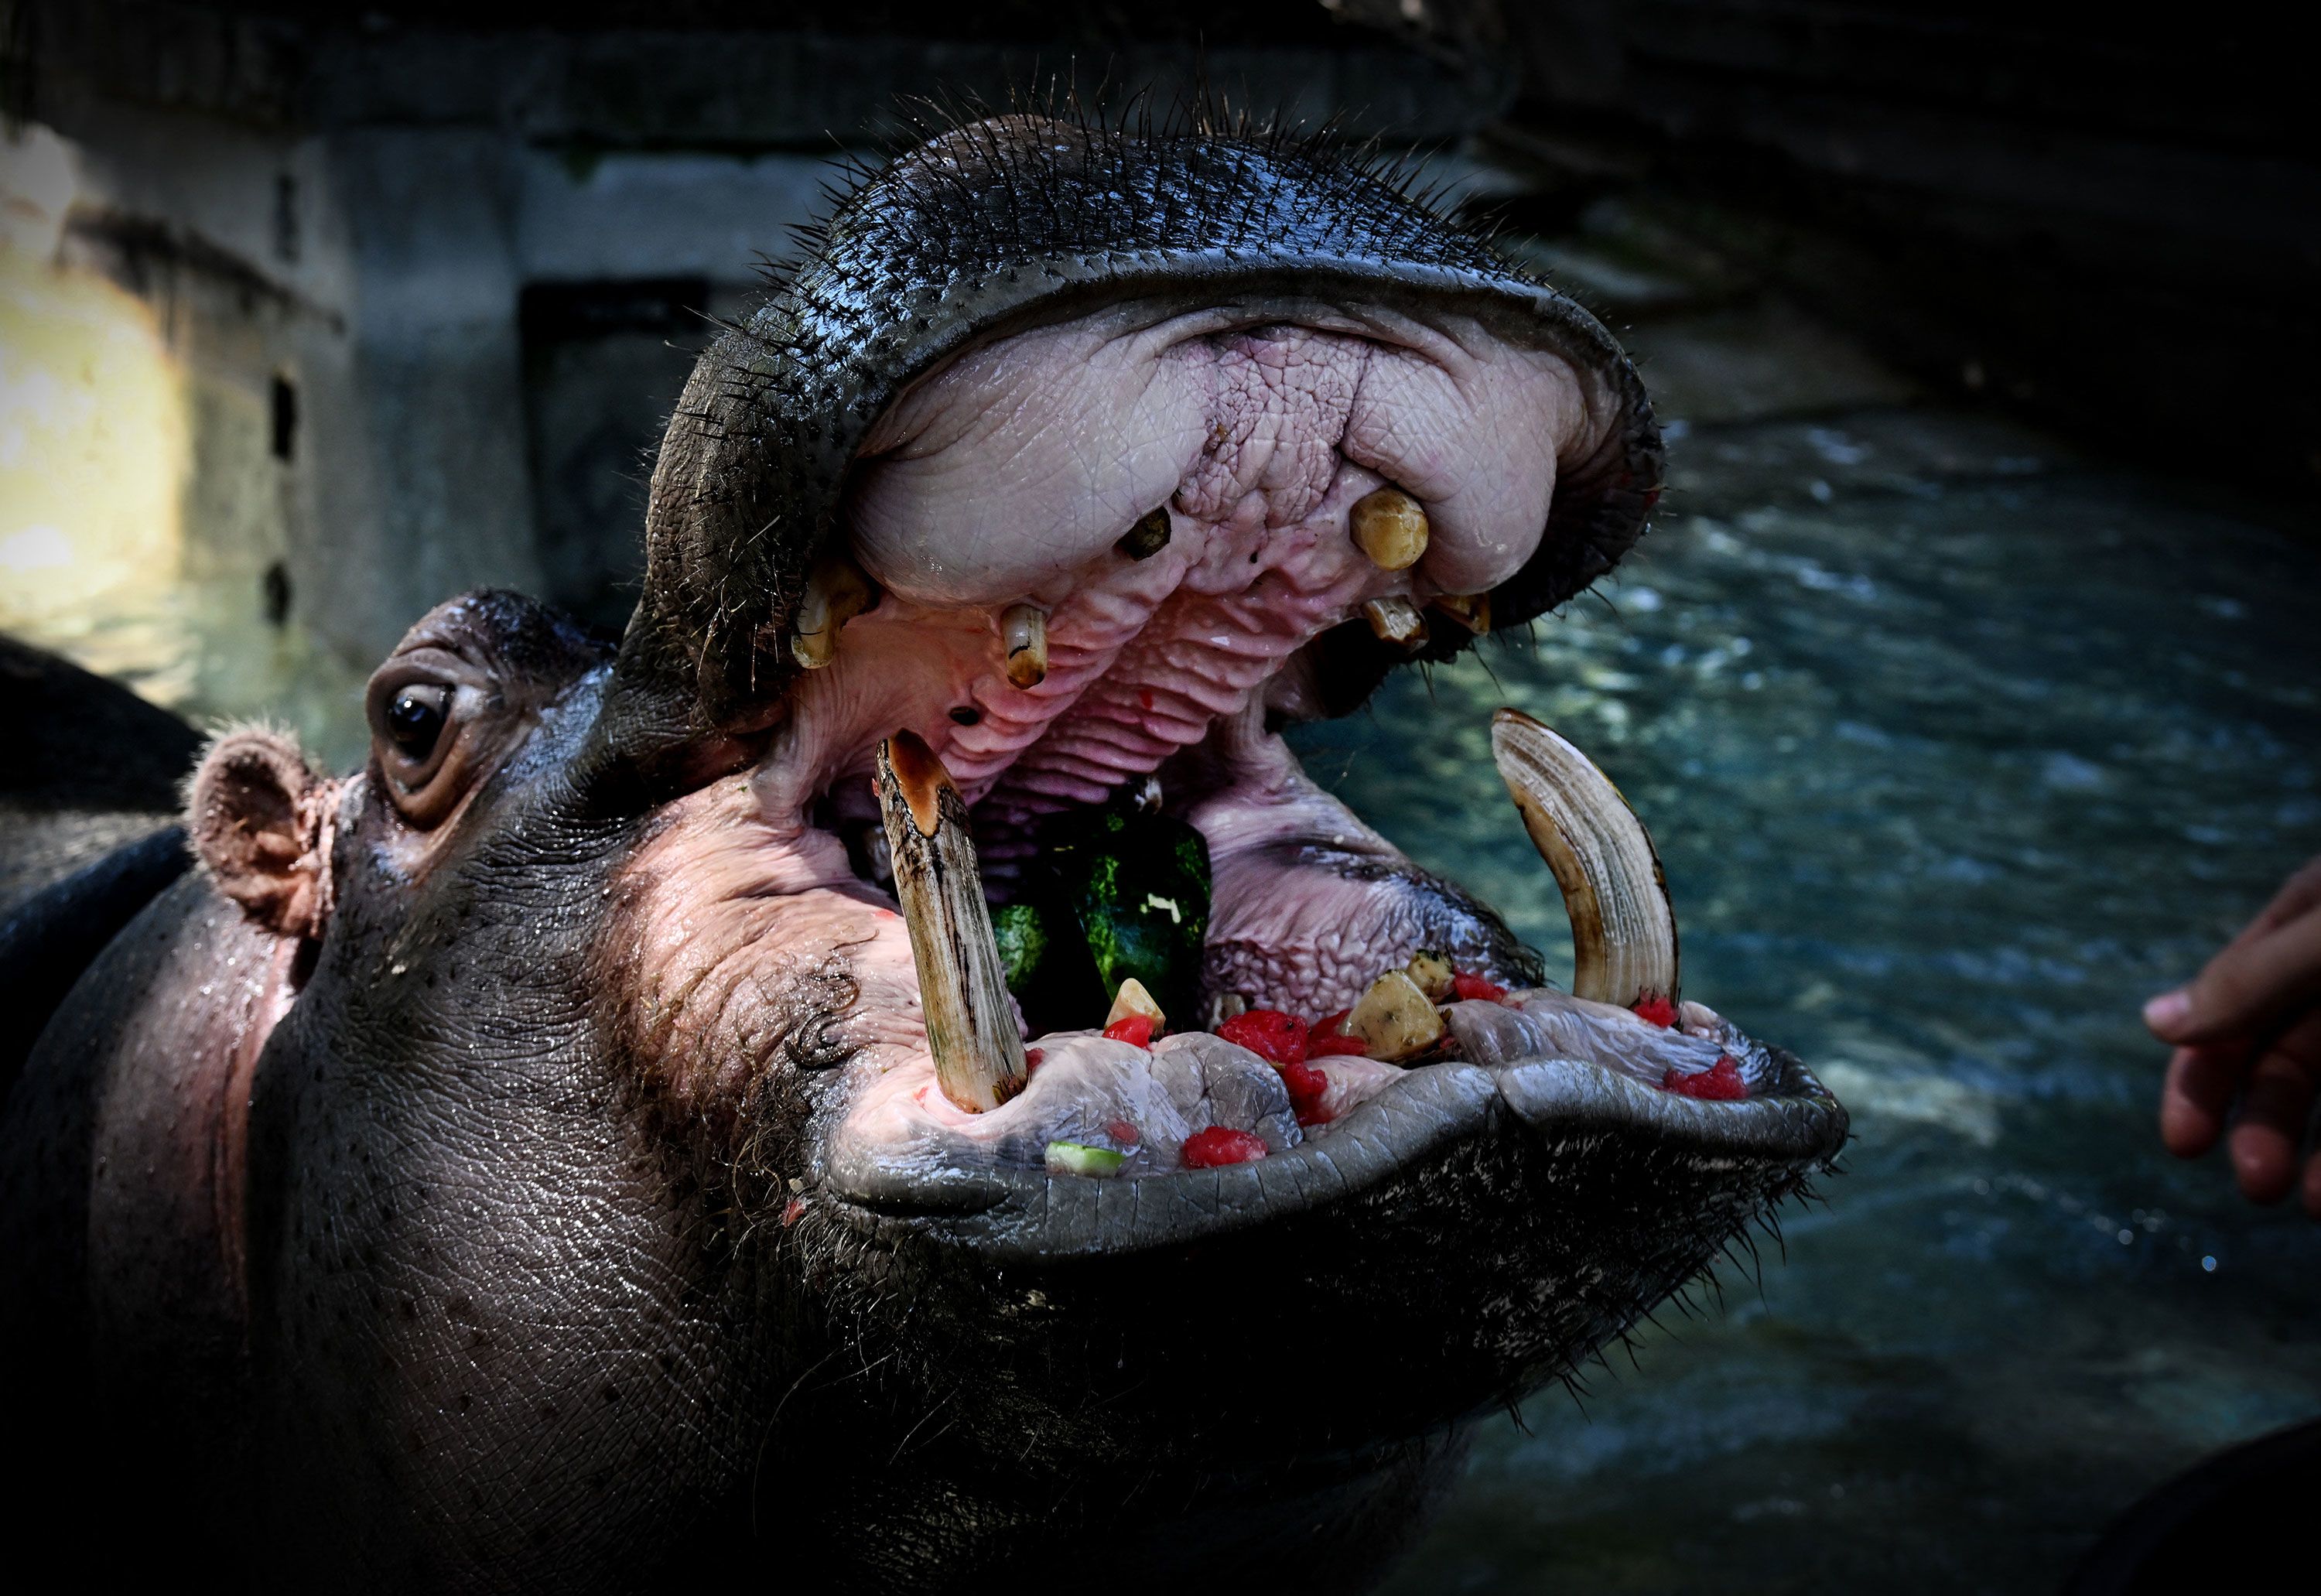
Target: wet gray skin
x=517 y=1164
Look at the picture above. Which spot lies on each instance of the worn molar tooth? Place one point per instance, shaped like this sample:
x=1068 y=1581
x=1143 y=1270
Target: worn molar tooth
x=836 y=591
x=1023 y=633
x=1623 y=926
x=1396 y=620
x=1395 y=1019
x=1471 y=610
x=962 y=990
x=1390 y=527
x=1148 y=537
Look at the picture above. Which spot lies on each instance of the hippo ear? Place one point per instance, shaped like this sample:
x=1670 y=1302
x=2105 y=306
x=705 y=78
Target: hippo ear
x=261 y=818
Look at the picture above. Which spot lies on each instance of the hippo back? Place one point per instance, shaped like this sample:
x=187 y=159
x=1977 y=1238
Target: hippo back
x=89 y=805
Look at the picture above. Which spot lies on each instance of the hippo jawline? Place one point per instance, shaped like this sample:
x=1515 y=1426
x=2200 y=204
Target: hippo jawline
x=1097 y=506
x=942 y=725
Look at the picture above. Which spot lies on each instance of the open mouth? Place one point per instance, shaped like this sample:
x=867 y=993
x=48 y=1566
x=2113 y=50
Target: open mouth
x=1105 y=933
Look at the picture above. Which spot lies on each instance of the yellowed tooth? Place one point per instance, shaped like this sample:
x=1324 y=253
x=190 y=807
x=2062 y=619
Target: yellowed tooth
x=1130 y=999
x=1432 y=972
x=1024 y=633
x=1624 y=943
x=1396 y=620
x=1395 y=1019
x=835 y=593
x=1471 y=610
x=1148 y=537
x=1390 y=527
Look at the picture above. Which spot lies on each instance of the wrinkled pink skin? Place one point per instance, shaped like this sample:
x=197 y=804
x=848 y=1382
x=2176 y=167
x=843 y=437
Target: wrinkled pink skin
x=1008 y=478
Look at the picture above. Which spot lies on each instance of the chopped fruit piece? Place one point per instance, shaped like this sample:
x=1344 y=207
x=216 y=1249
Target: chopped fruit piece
x=1132 y=999
x=1328 y=1036
x=1125 y=1134
x=1395 y=1020
x=1721 y=1083
x=1268 y=1032
x=1075 y=1158
x=1307 y=1087
x=1654 y=1010
x=1475 y=989
x=1433 y=974
x=1216 y=1146
x=1136 y=882
x=1135 y=1029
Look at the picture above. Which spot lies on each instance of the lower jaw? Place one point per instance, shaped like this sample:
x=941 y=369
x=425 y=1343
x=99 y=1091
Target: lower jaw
x=1516 y=1090
x=1472 y=1233
x=1130 y=1110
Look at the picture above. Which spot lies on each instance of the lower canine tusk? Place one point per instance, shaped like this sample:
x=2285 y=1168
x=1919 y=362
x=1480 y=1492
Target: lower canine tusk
x=1023 y=633
x=962 y=985
x=1623 y=926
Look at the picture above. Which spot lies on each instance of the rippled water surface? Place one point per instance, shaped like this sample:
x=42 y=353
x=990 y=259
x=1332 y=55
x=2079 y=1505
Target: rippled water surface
x=1954 y=753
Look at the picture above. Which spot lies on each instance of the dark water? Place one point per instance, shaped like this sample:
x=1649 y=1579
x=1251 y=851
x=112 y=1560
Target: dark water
x=1954 y=755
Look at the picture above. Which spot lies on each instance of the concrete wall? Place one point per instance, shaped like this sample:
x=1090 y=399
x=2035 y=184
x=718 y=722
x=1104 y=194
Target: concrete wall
x=429 y=291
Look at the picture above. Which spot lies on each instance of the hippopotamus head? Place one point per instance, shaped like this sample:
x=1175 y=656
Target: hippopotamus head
x=653 y=1158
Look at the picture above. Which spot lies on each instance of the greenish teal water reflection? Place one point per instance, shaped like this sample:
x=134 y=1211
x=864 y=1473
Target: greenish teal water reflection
x=1950 y=767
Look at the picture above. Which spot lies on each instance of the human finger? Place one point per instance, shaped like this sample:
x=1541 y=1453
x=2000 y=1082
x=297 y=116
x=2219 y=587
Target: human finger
x=2197 y=1094
x=2247 y=989
x=2269 y=1135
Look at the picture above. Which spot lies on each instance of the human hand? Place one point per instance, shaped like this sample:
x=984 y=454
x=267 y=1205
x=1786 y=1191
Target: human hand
x=2250 y=1024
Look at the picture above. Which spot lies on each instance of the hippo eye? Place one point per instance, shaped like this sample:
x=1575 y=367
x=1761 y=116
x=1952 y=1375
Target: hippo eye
x=414 y=720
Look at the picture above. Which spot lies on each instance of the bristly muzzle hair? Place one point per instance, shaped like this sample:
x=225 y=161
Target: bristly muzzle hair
x=1005 y=222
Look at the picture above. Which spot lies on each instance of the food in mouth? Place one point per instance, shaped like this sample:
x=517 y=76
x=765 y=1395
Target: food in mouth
x=1623 y=1009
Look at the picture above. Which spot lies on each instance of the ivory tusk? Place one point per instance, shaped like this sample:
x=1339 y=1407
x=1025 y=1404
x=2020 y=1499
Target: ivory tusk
x=962 y=985
x=1624 y=943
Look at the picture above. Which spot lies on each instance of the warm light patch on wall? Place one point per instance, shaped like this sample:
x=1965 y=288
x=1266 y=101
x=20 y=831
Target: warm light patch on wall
x=95 y=437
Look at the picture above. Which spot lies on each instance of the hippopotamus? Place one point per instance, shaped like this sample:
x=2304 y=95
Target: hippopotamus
x=599 y=1144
